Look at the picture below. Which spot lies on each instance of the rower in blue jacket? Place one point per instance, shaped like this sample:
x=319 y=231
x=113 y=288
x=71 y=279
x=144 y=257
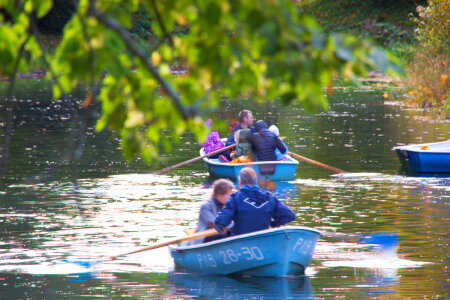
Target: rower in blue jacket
x=252 y=208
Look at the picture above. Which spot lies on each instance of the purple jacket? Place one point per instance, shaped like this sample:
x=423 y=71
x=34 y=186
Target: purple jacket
x=213 y=142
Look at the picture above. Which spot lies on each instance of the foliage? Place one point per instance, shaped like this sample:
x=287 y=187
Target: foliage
x=429 y=83
x=262 y=49
x=386 y=21
x=428 y=73
x=433 y=26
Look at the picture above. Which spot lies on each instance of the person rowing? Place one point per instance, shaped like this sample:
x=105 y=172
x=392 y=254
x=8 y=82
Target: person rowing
x=251 y=208
x=222 y=189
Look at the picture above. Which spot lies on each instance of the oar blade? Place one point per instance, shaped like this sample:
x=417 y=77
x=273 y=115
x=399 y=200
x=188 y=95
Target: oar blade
x=79 y=266
x=380 y=241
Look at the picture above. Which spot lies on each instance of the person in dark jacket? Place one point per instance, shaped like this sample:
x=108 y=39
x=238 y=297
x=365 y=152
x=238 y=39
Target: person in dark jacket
x=252 y=208
x=265 y=142
x=245 y=121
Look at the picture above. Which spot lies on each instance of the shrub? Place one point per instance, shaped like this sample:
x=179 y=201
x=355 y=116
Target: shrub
x=428 y=74
x=433 y=26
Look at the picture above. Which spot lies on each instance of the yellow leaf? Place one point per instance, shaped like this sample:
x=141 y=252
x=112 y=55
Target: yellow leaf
x=330 y=89
x=385 y=95
x=444 y=78
x=156 y=58
x=135 y=118
x=86 y=101
x=182 y=20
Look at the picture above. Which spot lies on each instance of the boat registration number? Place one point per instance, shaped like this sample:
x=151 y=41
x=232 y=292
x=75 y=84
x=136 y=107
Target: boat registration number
x=229 y=256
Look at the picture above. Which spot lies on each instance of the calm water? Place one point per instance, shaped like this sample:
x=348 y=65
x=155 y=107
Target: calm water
x=67 y=193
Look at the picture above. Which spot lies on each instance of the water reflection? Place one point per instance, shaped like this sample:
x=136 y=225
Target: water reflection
x=223 y=287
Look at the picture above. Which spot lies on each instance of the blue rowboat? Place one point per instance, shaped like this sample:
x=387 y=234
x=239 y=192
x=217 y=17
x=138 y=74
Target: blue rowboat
x=266 y=170
x=276 y=252
x=425 y=158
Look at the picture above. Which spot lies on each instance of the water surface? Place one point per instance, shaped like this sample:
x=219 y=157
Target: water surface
x=67 y=193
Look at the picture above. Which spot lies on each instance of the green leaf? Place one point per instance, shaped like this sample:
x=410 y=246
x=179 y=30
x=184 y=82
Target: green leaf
x=42 y=7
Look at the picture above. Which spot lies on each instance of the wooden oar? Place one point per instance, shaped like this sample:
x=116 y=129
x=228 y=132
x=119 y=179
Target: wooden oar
x=205 y=233
x=165 y=170
x=322 y=165
x=378 y=240
x=91 y=262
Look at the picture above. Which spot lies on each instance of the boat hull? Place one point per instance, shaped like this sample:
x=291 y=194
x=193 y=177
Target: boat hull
x=425 y=158
x=275 y=252
x=284 y=170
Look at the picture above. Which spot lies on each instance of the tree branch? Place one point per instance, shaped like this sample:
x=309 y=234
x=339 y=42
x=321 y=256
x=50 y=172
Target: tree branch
x=161 y=23
x=186 y=112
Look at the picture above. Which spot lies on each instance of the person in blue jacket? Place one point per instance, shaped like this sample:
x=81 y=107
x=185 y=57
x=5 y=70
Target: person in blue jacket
x=251 y=208
x=278 y=154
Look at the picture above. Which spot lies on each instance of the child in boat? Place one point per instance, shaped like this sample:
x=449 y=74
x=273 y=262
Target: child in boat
x=222 y=189
x=280 y=156
x=243 y=152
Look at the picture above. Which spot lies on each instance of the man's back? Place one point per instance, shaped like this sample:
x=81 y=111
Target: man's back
x=253 y=209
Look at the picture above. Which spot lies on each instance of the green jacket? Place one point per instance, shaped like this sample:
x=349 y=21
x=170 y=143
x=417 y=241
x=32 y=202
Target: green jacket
x=244 y=147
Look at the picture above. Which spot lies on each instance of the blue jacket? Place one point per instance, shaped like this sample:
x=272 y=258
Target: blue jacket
x=280 y=155
x=252 y=209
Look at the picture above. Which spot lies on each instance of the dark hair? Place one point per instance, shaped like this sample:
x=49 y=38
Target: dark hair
x=247 y=176
x=243 y=114
x=222 y=186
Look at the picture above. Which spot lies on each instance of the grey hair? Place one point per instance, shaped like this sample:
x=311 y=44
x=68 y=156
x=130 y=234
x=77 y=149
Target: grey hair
x=247 y=176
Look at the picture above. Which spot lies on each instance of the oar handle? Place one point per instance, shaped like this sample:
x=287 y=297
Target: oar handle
x=205 y=233
x=165 y=170
x=327 y=167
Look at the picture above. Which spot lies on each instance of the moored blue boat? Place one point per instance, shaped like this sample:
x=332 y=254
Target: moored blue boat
x=425 y=158
x=276 y=252
x=267 y=170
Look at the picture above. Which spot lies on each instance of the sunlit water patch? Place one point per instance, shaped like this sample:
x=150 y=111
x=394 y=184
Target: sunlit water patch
x=111 y=216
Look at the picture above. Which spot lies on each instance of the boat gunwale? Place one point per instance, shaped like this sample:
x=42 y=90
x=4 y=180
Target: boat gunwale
x=416 y=147
x=291 y=161
x=244 y=236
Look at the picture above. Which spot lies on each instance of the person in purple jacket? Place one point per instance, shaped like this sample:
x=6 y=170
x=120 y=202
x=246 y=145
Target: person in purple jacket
x=251 y=208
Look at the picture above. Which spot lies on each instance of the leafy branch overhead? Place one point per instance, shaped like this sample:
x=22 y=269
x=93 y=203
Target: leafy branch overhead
x=263 y=49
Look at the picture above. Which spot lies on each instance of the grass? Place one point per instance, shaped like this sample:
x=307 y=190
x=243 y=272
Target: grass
x=388 y=23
